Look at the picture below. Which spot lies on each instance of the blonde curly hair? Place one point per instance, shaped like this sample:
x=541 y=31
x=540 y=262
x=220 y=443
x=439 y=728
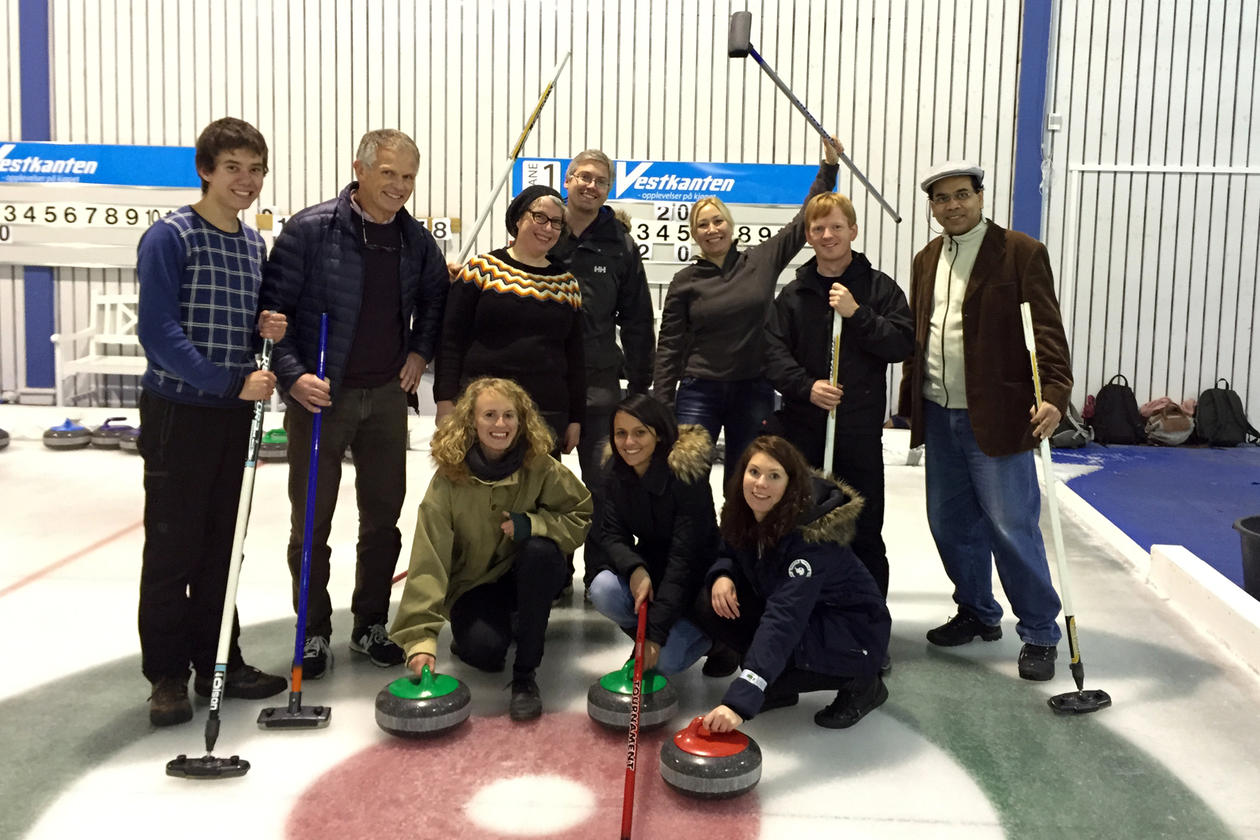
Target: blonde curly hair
x=457 y=432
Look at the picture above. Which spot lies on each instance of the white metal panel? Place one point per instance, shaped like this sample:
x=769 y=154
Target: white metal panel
x=1150 y=220
x=904 y=83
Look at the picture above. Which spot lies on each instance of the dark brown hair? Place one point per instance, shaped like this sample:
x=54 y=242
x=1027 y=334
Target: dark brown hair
x=226 y=135
x=739 y=527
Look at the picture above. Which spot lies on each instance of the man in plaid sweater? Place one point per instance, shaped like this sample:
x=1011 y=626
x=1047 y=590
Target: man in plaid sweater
x=199 y=270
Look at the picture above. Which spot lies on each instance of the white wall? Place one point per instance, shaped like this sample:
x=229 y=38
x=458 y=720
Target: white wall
x=1154 y=205
x=905 y=82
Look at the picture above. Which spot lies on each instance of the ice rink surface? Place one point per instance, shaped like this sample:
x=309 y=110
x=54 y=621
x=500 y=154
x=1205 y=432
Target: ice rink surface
x=962 y=749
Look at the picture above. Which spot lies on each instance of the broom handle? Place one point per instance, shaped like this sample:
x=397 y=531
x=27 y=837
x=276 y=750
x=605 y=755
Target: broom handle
x=1056 y=530
x=507 y=170
x=829 y=445
x=632 y=741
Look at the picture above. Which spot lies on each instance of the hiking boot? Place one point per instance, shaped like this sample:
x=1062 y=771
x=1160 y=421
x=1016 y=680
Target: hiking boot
x=246 y=683
x=168 y=704
x=962 y=628
x=721 y=662
x=526 y=702
x=853 y=703
x=374 y=642
x=316 y=657
x=1036 y=662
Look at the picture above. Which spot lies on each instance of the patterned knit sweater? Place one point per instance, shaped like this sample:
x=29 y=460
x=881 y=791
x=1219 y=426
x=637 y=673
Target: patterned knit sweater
x=508 y=319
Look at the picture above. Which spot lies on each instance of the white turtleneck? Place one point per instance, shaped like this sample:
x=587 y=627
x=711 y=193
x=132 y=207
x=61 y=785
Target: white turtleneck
x=944 y=374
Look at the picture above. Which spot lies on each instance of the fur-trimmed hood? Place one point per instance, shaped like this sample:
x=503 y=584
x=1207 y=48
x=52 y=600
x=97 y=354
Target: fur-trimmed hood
x=689 y=459
x=833 y=515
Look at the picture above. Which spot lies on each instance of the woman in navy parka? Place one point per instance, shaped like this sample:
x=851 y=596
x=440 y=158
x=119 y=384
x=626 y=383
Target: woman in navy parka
x=789 y=593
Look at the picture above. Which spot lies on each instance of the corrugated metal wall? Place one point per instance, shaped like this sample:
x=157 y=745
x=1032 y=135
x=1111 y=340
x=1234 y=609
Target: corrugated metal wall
x=904 y=82
x=1154 y=208
x=12 y=335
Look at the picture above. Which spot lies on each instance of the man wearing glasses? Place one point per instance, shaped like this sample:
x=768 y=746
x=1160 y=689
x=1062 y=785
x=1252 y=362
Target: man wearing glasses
x=366 y=262
x=968 y=391
x=599 y=252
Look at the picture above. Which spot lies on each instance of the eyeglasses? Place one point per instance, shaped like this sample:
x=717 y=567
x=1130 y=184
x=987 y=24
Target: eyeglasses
x=544 y=219
x=590 y=180
x=375 y=246
x=941 y=199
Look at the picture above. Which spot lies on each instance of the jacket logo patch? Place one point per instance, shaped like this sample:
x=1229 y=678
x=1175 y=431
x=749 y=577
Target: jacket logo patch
x=600 y=269
x=800 y=568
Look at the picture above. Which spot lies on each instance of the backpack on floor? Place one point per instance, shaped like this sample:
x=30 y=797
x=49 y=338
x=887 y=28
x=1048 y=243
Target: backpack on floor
x=1072 y=433
x=1169 y=425
x=1221 y=419
x=1116 y=417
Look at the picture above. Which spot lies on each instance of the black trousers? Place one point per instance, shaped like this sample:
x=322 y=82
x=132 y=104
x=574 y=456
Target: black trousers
x=603 y=393
x=194 y=457
x=481 y=619
x=738 y=633
x=372 y=424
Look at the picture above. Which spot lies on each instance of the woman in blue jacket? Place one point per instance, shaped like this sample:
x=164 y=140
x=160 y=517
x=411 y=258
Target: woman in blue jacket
x=790 y=594
x=656 y=532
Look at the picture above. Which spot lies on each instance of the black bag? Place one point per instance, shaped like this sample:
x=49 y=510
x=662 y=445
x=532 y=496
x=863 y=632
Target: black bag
x=1220 y=418
x=1072 y=432
x=1116 y=415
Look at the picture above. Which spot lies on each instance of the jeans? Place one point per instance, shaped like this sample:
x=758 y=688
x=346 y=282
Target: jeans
x=194 y=457
x=481 y=619
x=610 y=594
x=740 y=406
x=372 y=423
x=978 y=507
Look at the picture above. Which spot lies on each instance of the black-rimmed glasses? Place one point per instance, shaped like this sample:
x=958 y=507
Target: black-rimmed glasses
x=544 y=219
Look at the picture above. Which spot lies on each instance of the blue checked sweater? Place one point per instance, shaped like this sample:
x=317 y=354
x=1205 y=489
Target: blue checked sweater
x=198 y=308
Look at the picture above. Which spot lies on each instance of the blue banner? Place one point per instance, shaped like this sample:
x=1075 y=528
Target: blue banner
x=655 y=180
x=125 y=166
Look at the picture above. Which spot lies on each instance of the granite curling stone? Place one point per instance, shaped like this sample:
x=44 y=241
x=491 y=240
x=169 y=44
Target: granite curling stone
x=609 y=698
x=274 y=446
x=129 y=441
x=416 y=707
x=709 y=765
x=4 y=438
x=69 y=435
x=109 y=436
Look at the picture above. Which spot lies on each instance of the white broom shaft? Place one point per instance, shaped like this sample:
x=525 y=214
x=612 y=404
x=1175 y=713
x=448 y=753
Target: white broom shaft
x=1052 y=500
x=829 y=444
x=471 y=241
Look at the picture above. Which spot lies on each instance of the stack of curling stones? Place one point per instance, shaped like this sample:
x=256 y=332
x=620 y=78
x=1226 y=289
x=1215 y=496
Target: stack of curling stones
x=275 y=446
x=608 y=700
x=415 y=707
x=69 y=435
x=709 y=765
x=109 y=436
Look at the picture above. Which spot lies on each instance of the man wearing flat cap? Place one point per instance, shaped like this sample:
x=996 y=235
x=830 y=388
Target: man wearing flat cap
x=968 y=391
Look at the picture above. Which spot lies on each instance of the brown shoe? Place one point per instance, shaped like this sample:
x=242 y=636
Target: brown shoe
x=168 y=704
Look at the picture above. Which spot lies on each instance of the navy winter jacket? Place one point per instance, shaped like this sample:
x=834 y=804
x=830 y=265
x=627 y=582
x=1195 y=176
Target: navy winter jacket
x=824 y=612
x=316 y=266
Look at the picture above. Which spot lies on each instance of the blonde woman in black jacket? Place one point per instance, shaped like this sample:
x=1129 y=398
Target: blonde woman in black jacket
x=709 y=351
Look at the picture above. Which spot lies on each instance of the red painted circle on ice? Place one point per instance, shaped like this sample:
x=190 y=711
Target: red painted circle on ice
x=426 y=784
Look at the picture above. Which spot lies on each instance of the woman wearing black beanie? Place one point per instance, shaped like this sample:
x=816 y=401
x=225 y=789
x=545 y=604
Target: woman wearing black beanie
x=514 y=314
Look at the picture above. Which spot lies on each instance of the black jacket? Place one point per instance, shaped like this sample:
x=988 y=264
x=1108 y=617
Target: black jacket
x=606 y=263
x=663 y=522
x=798 y=339
x=317 y=266
x=711 y=323
x=824 y=612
